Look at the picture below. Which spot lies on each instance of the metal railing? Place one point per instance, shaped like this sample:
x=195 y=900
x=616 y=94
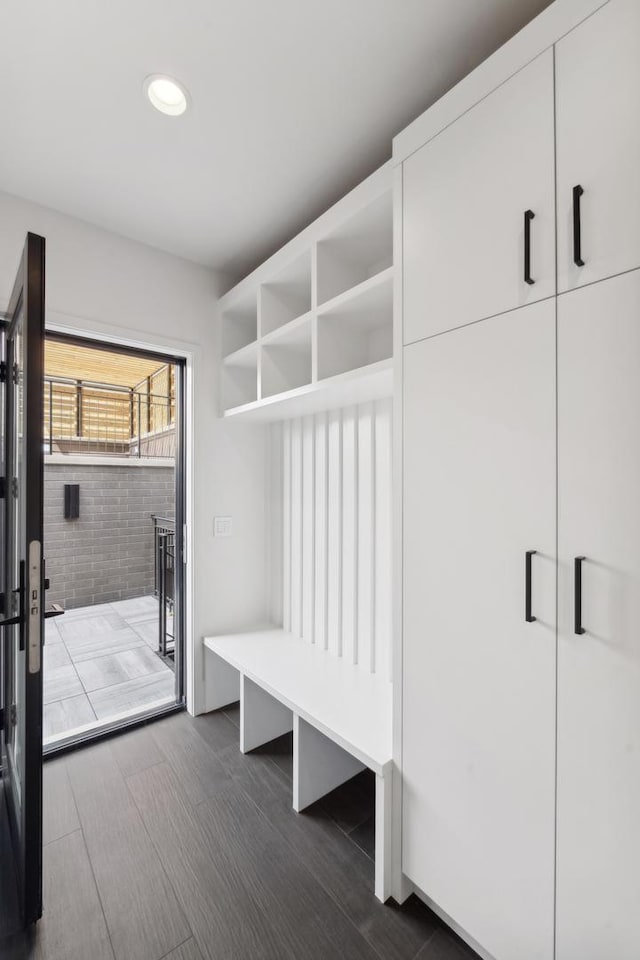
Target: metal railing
x=164 y=553
x=81 y=416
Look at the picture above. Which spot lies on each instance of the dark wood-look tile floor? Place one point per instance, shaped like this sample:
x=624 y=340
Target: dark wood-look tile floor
x=166 y=843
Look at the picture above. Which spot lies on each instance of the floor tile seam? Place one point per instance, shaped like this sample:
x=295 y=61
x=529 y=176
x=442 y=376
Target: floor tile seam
x=307 y=869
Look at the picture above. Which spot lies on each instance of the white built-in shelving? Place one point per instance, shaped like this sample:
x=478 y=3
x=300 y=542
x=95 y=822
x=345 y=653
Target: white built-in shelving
x=240 y=323
x=311 y=329
x=355 y=328
x=287 y=296
x=240 y=376
x=358 y=249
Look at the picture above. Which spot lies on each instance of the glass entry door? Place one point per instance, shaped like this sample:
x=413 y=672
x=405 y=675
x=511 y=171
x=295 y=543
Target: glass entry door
x=21 y=575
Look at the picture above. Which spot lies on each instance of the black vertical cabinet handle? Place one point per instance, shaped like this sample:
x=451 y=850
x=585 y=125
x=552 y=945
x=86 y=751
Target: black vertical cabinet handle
x=527 y=586
x=577 y=586
x=528 y=217
x=577 y=237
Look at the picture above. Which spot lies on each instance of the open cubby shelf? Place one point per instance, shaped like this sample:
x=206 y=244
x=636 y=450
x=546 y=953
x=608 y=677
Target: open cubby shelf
x=240 y=376
x=240 y=386
x=358 y=249
x=240 y=324
x=286 y=297
x=357 y=331
x=286 y=360
x=316 y=331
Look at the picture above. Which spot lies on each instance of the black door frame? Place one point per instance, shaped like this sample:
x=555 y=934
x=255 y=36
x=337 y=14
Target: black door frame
x=109 y=729
x=26 y=820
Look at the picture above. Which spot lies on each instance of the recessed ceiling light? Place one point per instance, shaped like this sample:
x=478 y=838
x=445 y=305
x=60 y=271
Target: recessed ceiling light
x=167 y=94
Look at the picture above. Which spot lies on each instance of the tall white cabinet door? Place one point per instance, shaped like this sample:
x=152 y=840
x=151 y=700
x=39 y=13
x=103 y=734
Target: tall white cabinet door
x=465 y=195
x=598 y=145
x=599 y=671
x=478 y=679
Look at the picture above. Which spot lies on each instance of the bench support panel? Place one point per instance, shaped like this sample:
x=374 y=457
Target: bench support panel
x=262 y=717
x=319 y=765
x=384 y=831
x=223 y=682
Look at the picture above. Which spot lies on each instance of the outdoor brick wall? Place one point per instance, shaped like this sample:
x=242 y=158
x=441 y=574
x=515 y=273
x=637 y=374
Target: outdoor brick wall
x=106 y=554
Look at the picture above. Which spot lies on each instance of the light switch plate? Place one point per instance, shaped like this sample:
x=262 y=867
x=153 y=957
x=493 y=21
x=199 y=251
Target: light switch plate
x=222 y=526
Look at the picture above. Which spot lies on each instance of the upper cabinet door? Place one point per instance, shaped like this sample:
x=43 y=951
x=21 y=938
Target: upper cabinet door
x=598 y=146
x=466 y=196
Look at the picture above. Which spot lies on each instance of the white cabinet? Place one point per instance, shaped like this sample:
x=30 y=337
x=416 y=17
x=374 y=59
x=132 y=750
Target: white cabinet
x=521 y=736
x=465 y=195
x=599 y=670
x=311 y=329
x=478 y=679
x=598 y=145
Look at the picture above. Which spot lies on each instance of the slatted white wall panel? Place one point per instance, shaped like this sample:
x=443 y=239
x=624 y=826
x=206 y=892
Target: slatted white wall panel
x=336 y=525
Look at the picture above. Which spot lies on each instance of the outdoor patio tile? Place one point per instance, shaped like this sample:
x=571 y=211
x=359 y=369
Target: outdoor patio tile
x=133 y=694
x=64 y=715
x=138 y=608
x=60 y=683
x=118 y=668
x=51 y=633
x=93 y=645
x=148 y=630
x=81 y=613
x=92 y=626
x=55 y=656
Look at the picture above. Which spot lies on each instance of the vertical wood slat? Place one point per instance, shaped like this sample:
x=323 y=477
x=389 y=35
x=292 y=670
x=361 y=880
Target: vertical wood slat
x=274 y=547
x=321 y=519
x=383 y=577
x=366 y=541
x=296 y=528
x=336 y=482
x=308 y=529
x=334 y=545
x=286 y=526
x=350 y=535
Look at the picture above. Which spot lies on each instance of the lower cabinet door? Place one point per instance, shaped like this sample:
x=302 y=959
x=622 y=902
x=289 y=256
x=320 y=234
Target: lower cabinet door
x=598 y=859
x=478 y=678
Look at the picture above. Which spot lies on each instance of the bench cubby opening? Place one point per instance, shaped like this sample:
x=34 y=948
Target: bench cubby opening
x=340 y=717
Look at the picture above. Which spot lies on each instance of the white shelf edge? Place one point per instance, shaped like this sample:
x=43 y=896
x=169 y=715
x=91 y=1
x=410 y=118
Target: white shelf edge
x=280 y=333
x=353 y=293
x=243 y=353
x=371 y=382
x=377 y=758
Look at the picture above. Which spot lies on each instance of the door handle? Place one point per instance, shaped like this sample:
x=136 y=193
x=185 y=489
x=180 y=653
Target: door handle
x=577 y=595
x=19 y=617
x=528 y=217
x=55 y=610
x=527 y=586
x=11 y=622
x=577 y=227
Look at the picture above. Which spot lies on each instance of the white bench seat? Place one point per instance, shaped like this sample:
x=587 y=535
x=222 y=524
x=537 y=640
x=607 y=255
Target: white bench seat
x=339 y=713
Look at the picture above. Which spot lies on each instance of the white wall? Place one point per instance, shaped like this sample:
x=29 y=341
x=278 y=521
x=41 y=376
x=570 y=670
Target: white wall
x=336 y=532
x=102 y=284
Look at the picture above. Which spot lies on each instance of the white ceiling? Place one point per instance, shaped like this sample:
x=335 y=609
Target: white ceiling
x=294 y=102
